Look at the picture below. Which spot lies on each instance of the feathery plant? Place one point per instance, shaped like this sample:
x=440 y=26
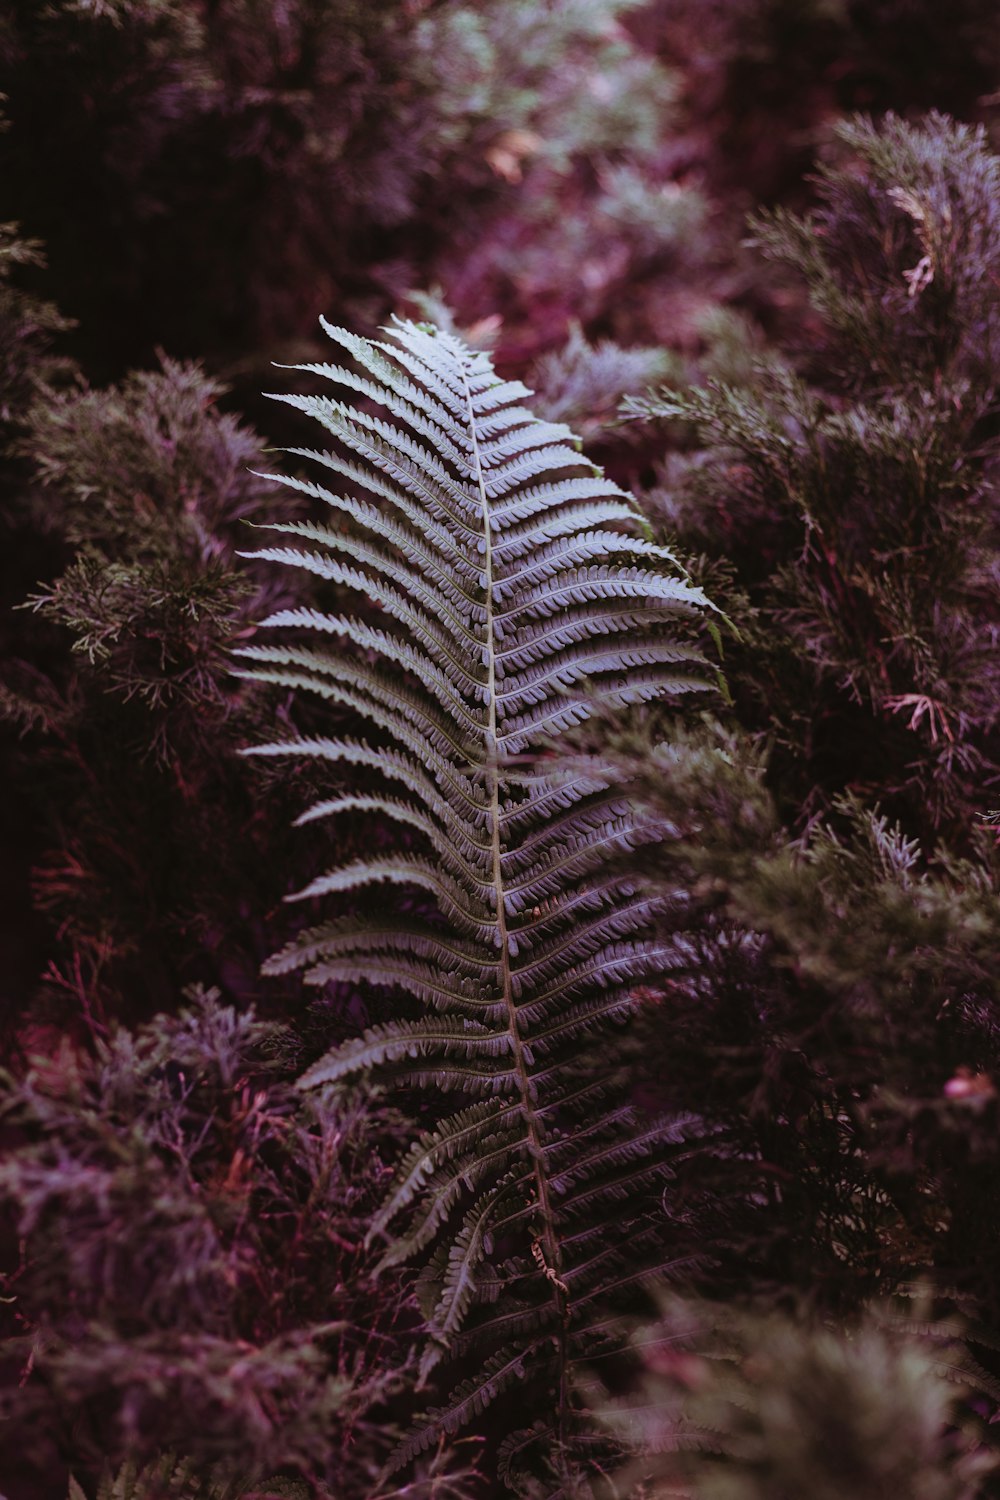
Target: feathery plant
x=517 y=593
x=171 y=1478
x=733 y=1403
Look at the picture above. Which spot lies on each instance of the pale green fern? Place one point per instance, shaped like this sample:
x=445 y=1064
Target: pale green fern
x=514 y=592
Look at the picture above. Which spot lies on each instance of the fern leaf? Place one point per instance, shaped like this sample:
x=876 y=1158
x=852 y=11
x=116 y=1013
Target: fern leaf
x=504 y=589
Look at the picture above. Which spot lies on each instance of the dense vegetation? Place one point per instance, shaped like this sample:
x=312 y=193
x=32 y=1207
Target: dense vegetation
x=635 y=1129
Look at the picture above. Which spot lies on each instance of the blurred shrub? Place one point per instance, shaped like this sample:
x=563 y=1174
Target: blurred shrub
x=582 y=384
x=218 y=176
x=763 y=79
x=740 y=1405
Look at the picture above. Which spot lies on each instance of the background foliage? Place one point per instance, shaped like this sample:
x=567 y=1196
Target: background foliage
x=774 y=228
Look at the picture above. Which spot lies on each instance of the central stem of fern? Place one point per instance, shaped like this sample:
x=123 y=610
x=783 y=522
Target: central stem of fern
x=548 y=1238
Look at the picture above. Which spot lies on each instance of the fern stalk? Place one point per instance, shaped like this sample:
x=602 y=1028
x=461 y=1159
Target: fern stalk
x=549 y=1237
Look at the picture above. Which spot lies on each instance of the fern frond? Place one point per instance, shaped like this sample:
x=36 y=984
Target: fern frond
x=504 y=589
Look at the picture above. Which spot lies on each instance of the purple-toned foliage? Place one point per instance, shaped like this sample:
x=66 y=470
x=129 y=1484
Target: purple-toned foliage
x=195 y=1315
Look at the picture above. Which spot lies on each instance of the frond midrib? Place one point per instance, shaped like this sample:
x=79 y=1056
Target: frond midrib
x=533 y=1128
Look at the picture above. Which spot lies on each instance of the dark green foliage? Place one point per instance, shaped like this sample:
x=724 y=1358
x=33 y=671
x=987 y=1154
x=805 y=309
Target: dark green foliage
x=150 y=466
x=150 y=484
x=169 y=1478
x=128 y=714
x=901 y=259
x=191 y=1271
x=857 y=498
x=27 y=329
x=834 y=1026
